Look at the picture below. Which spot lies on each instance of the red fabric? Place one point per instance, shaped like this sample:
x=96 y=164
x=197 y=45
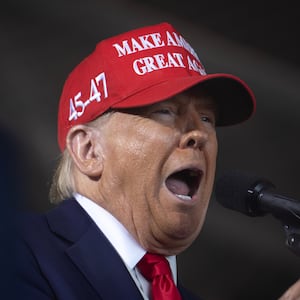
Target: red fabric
x=155 y=268
x=141 y=67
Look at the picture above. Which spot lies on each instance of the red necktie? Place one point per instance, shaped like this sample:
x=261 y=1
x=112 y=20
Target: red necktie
x=155 y=268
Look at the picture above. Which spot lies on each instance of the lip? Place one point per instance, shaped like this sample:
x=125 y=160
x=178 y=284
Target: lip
x=194 y=167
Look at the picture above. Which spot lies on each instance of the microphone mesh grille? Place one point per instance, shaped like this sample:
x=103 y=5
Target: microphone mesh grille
x=232 y=190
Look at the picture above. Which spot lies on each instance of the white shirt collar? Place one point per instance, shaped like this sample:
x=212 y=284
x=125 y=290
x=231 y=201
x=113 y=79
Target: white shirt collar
x=126 y=246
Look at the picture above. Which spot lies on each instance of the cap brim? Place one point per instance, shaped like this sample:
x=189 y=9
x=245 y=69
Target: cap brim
x=235 y=100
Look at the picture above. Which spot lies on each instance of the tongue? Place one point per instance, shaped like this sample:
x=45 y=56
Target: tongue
x=177 y=186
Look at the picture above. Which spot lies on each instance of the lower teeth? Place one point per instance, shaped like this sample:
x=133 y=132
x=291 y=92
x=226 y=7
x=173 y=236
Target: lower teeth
x=183 y=197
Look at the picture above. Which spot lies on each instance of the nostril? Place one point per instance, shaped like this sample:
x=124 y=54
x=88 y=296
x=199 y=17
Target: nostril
x=193 y=139
x=191 y=143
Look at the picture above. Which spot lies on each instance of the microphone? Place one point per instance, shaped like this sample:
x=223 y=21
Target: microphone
x=254 y=196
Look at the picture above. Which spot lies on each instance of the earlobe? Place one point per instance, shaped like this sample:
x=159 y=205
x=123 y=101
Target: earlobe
x=84 y=147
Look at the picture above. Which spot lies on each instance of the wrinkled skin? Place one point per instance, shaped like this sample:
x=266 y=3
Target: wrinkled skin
x=124 y=163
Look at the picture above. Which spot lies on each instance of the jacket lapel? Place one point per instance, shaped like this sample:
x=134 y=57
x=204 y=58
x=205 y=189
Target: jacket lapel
x=92 y=253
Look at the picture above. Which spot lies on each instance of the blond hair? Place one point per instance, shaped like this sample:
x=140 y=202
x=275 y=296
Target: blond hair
x=62 y=185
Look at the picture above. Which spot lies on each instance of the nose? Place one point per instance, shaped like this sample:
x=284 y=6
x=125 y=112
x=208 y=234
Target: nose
x=193 y=139
x=194 y=134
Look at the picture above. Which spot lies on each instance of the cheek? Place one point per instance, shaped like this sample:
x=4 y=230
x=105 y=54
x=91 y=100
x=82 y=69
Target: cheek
x=146 y=144
x=137 y=152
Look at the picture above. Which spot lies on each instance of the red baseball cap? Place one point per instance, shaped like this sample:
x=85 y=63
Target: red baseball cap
x=142 y=67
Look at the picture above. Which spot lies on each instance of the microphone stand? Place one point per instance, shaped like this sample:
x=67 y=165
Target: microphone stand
x=293 y=237
x=291 y=224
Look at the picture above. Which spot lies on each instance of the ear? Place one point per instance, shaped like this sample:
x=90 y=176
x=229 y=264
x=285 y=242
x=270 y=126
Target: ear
x=85 y=149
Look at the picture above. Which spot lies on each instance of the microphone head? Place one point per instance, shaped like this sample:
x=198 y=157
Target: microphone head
x=239 y=191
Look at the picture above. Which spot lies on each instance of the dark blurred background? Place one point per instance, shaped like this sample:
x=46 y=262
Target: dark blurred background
x=236 y=257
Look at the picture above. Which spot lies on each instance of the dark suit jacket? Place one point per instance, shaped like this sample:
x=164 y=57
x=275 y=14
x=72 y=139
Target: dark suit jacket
x=63 y=255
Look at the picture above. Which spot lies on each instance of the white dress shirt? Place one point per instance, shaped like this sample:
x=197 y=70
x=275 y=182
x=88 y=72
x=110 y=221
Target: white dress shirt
x=123 y=242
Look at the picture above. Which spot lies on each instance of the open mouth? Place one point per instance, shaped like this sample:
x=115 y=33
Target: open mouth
x=185 y=183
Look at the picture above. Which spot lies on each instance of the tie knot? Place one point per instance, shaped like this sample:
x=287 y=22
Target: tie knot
x=152 y=265
x=156 y=269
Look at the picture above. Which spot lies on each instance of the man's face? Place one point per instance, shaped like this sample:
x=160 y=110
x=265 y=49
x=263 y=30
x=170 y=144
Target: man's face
x=159 y=167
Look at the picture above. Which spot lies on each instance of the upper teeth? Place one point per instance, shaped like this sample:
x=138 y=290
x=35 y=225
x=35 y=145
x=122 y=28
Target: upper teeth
x=184 y=197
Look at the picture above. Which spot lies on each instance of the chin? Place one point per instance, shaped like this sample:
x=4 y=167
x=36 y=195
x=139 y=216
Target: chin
x=184 y=236
x=188 y=235
x=172 y=240
x=177 y=246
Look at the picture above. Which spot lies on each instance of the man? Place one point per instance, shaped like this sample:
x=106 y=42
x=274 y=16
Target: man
x=137 y=129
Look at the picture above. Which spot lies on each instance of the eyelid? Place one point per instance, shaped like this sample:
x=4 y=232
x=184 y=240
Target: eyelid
x=209 y=116
x=163 y=109
x=166 y=107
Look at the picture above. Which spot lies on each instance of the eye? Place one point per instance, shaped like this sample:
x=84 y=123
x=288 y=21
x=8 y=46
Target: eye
x=164 y=114
x=163 y=111
x=207 y=119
